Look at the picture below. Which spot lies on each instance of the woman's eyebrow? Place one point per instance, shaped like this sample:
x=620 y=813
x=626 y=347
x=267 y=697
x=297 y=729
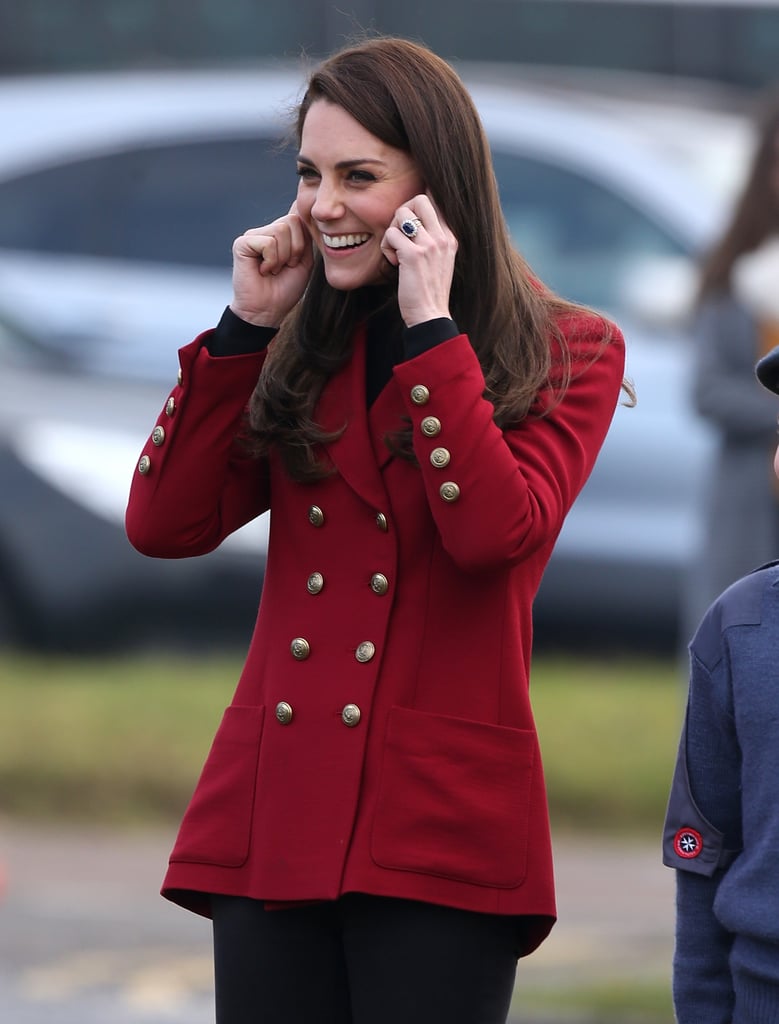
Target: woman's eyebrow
x=343 y=165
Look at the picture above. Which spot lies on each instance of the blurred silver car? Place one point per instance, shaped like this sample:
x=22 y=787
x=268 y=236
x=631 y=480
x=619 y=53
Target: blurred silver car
x=119 y=198
x=69 y=580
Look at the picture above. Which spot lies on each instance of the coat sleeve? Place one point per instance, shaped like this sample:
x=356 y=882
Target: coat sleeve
x=194 y=484
x=497 y=496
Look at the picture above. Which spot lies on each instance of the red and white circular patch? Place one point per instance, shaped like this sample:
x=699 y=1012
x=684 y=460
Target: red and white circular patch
x=688 y=843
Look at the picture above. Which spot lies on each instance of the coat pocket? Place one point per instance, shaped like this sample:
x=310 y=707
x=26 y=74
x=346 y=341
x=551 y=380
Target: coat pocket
x=454 y=799
x=217 y=824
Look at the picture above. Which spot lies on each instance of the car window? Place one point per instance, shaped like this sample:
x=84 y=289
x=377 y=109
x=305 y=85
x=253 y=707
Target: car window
x=580 y=237
x=180 y=202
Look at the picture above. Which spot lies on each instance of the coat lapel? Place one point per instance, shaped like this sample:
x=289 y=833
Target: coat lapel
x=385 y=416
x=342 y=403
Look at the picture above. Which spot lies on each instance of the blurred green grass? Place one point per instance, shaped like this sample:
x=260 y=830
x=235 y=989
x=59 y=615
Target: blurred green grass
x=634 y=1001
x=122 y=740
x=609 y=732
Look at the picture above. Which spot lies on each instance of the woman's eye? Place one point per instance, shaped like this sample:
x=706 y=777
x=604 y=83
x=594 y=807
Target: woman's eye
x=307 y=173
x=361 y=176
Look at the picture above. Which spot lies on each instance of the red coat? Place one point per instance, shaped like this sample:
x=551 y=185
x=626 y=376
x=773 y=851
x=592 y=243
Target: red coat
x=381 y=737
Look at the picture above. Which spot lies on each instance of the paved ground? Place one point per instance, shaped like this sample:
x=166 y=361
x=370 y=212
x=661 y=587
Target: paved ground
x=85 y=939
x=615 y=921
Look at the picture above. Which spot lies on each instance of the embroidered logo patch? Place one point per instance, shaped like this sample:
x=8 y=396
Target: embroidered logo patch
x=688 y=843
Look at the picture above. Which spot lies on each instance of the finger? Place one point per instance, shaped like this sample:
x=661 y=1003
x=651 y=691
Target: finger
x=296 y=244
x=429 y=197
x=294 y=239
x=407 y=223
x=283 y=236
x=389 y=247
x=434 y=221
x=256 y=244
x=300 y=242
x=282 y=243
x=426 y=210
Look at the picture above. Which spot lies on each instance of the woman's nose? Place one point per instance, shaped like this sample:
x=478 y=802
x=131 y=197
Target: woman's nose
x=328 y=204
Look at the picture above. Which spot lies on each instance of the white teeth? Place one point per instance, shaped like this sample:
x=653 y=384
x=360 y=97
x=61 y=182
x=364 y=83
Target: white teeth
x=344 y=241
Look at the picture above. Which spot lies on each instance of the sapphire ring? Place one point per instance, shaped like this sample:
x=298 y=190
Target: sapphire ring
x=410 y=227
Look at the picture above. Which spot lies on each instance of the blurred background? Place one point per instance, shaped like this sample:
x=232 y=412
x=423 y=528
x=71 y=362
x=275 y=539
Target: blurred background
x=139 y=137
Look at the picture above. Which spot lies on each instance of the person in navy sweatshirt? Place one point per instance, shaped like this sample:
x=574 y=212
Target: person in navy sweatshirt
x=722 y=824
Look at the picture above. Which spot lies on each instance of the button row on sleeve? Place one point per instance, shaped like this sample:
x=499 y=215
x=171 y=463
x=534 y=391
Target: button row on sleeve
x=158 y=434
x=439 y=457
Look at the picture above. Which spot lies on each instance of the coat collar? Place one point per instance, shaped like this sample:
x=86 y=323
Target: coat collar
x=359 y=453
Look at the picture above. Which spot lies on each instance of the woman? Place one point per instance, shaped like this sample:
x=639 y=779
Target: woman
x=722 y=825
x=737 y=321
x=370 y=830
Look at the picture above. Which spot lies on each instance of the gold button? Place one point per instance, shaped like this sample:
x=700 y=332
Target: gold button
x=144 y=465
x=170 y=406
x=158 y=436
x=351 y=715
x=440 y=457
x=420 y=395
x=430 y=426
x=365 y=651
x=316 y=516
x=315 y=582
x=449 y=491
x=180 y=377
x=379 y=583
x=300 y=648
x=284 y=712
x=381 y=522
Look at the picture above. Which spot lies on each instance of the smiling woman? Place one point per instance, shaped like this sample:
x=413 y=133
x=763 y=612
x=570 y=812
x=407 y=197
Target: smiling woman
x=419 y=413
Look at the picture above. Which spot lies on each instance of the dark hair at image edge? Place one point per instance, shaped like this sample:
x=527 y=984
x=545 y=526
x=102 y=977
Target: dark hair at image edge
x=412 y=100
x=756 y=213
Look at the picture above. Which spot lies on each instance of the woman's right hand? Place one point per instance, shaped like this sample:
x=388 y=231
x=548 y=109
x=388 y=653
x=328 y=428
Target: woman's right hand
x=271 y=268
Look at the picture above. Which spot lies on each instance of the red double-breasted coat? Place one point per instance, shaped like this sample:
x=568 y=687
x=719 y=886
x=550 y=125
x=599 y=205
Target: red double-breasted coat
x=381 y=738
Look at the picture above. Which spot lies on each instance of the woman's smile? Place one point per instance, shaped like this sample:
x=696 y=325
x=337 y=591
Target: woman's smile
x=352 y=241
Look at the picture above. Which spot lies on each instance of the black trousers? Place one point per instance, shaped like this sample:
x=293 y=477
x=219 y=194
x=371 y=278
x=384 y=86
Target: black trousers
x=361 y=960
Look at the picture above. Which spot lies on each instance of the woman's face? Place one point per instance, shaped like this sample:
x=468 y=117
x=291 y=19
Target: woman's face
x=351 y=184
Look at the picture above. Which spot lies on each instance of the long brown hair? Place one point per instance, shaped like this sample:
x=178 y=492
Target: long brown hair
x=410 y=99
x=755 y=216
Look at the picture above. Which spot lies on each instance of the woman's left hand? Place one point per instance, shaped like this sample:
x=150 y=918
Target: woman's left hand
x=425 y=261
